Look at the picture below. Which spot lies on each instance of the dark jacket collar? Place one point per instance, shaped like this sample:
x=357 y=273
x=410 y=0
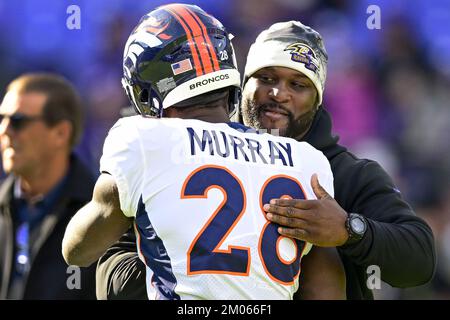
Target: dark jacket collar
x=80 y=181
x=320 y=135
x=78 y=187
x=6 y=190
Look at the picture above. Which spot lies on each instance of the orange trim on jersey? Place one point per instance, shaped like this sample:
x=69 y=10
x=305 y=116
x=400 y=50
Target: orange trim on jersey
x=261 y=204
x=196 y=32
x=224 y=201
x=197 y=63
x=264 y=265
x=278 y=251
x=211 y=50
x=285 y=196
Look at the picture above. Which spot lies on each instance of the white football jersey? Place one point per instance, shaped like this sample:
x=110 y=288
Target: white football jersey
x=196 y=191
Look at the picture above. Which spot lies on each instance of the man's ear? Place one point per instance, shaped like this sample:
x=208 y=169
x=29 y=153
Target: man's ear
x=62 y=132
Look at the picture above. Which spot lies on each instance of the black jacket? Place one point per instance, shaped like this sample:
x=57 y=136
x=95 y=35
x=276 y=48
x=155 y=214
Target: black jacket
x=48 y=275
x=397 y=241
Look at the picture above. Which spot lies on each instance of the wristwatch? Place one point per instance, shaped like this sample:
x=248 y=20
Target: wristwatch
x=356 y=227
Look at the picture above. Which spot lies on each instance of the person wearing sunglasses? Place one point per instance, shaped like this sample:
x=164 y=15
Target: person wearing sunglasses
x=19 y=120
x=46 y=183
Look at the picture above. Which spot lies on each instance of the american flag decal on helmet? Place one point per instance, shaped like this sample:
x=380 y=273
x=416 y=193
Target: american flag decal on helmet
x=181 y=66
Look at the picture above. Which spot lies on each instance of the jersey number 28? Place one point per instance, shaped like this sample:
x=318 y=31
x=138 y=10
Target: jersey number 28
x=204 y=255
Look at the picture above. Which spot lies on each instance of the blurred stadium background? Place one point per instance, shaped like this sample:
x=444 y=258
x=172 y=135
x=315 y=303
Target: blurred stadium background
x=388 y=89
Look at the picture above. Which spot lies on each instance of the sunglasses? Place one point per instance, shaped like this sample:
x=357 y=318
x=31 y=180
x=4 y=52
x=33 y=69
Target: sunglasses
x=19 y=121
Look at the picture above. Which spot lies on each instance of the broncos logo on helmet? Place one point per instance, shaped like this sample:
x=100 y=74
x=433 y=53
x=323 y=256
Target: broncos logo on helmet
x=175 y=53
x=157 y=27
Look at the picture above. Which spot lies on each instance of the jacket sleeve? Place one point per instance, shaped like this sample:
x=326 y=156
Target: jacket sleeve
x=120 y=274
x=397 y=241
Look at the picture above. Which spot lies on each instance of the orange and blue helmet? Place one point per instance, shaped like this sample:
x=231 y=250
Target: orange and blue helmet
x=175 y=53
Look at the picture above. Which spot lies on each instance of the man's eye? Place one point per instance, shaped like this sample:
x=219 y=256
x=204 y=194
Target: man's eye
x=265 y=78
x=299 y=85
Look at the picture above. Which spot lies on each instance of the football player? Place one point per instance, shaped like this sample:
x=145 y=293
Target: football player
x=192 y=184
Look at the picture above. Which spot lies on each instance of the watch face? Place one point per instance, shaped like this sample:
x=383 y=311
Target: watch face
x=358 y=225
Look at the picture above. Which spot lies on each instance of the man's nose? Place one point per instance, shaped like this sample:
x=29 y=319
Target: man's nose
x=280 y=93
